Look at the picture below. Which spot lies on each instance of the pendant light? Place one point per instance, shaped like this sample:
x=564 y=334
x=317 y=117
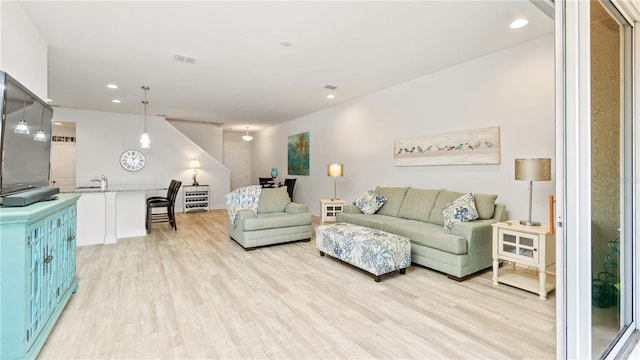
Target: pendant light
x=145 y=141
x=22 y=127
x=40 y=136
x=247 y=137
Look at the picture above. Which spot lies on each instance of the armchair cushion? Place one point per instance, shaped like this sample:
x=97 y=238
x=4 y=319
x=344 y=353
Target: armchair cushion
x=273 y=200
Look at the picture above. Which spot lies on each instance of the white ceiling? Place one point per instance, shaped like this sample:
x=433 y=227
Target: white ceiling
x=243 y=75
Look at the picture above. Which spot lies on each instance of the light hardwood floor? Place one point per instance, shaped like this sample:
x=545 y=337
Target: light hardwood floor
x=195 y=293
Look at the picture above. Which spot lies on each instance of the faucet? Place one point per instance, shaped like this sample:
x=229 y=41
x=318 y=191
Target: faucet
x=104 y=182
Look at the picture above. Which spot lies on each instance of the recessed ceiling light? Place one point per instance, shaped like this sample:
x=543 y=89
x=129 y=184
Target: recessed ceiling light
x=57 y=123
x=331 y=96
x=519 y=23
x=112 y=86
x=116 y=101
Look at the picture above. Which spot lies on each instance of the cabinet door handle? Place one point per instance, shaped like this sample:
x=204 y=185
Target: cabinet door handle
x=47 y=259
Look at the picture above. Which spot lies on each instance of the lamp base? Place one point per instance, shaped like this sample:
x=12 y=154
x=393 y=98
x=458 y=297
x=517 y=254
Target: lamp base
x=195 y=183
x=529 y=223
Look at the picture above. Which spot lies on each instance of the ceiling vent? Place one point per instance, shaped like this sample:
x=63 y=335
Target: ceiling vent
x=185 y=59
x=330 y=87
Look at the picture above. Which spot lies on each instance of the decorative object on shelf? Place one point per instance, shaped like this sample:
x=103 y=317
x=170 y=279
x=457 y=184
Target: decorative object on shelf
x=22 y=127
x=195 y=165
x=298 y=154
x=40 y=136
x=532 y=170
x=145 y=141
x=335 y=171
x=247 y=137
x=132 y=160
x=274 y=173
x=478 y=146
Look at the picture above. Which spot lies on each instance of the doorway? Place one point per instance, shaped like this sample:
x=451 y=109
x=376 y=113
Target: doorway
x=63 y=156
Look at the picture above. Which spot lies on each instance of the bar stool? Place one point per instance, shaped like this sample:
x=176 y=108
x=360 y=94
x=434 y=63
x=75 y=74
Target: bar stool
x=168 y=202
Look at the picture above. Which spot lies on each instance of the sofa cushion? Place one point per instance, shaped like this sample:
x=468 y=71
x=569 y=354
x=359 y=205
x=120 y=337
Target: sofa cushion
x=417 y=204
x=275 y=220
x=444 y=197
x=273 y=200
x=485 y=204
x=429 y=235
x=460 y=209
x=395 y=197
x=370 y=202
x=374 y=221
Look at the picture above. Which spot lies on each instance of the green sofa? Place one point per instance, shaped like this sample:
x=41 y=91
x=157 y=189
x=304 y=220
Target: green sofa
x=278 y=221
x=417 y=214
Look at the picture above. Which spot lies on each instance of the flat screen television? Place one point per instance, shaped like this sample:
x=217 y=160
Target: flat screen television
x=25 y=161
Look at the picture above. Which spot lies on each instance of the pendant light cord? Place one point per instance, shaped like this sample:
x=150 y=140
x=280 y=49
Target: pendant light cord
x=145 y=102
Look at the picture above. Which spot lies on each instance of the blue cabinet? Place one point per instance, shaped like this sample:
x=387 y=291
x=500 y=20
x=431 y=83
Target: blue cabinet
x=37 y=272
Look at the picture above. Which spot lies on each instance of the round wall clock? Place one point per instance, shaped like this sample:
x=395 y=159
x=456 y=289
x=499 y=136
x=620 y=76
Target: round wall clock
x=132 y=160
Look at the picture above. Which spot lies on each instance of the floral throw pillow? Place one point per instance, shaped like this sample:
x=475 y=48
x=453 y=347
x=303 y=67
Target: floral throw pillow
x=461 y=209
x=370 y=202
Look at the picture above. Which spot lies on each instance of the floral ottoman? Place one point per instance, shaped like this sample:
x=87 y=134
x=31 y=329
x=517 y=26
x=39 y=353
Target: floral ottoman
x=375 y=251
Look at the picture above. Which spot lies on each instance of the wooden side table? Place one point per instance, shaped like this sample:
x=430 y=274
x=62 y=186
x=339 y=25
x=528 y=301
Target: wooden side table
x=528 y=246
x=329 y=208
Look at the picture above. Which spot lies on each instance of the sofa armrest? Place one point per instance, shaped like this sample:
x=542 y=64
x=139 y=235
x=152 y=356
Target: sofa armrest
x=351 y=209
x=295 y=208
x=242 y=216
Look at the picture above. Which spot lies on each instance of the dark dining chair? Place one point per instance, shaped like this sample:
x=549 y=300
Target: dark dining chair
x=167 y=202
x=290 y=183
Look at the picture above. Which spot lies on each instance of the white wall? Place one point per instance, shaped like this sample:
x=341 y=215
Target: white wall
x=208 y=136
x=24 y=50
x=513 y=89
x=101 y=138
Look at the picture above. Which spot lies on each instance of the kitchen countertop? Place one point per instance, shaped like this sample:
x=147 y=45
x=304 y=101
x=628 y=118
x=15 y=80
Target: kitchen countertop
x=121 y=188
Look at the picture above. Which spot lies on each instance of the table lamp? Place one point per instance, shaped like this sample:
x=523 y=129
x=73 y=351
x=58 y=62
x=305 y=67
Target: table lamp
x=195 y=165
x=532 y=170
x=334 y=170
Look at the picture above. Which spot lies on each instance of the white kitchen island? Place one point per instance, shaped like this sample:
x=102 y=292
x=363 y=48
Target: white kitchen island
x=119 y=212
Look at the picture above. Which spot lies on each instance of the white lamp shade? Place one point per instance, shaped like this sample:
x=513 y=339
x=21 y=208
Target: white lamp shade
x=334 y=170
x=21 y=128
x=145 y=141
x=533 y=169
x=40 y=136
x=194 y=164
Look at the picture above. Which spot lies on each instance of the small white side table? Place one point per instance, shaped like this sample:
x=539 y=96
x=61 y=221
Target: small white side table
x=528 y=246
x=329 y=208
